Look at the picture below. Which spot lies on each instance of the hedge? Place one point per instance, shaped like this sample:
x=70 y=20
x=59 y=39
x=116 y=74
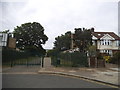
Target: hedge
x=76 y=59
x=116 y=58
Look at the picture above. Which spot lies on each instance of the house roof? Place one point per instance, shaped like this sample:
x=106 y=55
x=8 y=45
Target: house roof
x=101 y=34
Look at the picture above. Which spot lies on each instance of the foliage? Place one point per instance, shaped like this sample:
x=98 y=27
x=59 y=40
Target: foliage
x=53 y=52
x=30 y=35
x=116 y=58
x=35 y=51
x=76 y=59
x=92 y=51
x=101 y=55
x=83 y=38
x=63 y=42
x=5 y=31
x=106 y=58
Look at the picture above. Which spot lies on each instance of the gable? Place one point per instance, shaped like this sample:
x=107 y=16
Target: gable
x=107 y=36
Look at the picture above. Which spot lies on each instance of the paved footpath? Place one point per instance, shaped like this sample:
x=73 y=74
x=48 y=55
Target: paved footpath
x=108 y=75
x=47 y=62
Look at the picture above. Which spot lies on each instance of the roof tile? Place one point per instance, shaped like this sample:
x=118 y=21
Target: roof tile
x=101 y=34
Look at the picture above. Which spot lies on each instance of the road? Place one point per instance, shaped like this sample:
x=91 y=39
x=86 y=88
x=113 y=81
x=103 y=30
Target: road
x=47 y=81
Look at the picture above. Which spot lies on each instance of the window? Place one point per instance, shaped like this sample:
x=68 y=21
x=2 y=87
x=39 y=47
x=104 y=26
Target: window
x=102 y=42
x=106 y=51
x=117 y=43
x=0 y=39
x=99 y=34
x=105 y=42
x=108 y=42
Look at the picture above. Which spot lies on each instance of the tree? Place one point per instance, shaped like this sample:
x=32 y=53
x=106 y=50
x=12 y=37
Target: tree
x=83 y=38
x=92 y=51
x=63 y=42
x=5 y=31
x=30 y=35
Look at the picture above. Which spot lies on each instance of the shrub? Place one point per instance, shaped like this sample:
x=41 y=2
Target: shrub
x=76 y=59
x=79 y=59
x=116 y=58
x=52 y=53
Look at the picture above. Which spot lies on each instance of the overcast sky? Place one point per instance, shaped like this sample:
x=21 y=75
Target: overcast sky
x=60 y=16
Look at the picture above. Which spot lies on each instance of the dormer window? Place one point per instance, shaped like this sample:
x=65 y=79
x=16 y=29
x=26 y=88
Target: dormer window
x=99 y=34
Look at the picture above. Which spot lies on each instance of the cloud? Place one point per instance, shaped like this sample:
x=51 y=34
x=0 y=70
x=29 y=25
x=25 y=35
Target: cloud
x=60 y=16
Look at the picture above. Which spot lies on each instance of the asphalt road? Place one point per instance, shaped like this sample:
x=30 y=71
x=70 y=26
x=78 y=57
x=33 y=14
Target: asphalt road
x=47 y=81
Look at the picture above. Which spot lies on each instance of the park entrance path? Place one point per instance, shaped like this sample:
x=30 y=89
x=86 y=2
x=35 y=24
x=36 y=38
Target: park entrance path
x=47 y=62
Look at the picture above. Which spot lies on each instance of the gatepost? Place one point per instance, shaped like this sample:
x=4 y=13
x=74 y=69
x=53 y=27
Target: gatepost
x=42 y=62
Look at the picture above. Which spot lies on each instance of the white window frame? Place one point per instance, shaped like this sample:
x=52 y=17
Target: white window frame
x=105 y=42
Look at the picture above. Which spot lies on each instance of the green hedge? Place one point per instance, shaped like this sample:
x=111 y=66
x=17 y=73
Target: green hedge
x=76 y=59
x=116 y=58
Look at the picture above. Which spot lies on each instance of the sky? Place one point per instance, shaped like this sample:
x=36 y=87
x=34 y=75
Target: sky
x=60 y=16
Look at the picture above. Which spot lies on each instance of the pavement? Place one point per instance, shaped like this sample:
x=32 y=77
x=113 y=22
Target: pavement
x=107 y=76
x=103 y=75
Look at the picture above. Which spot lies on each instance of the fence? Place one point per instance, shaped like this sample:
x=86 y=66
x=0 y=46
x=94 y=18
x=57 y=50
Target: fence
x=94 y=62
x=13 y=57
